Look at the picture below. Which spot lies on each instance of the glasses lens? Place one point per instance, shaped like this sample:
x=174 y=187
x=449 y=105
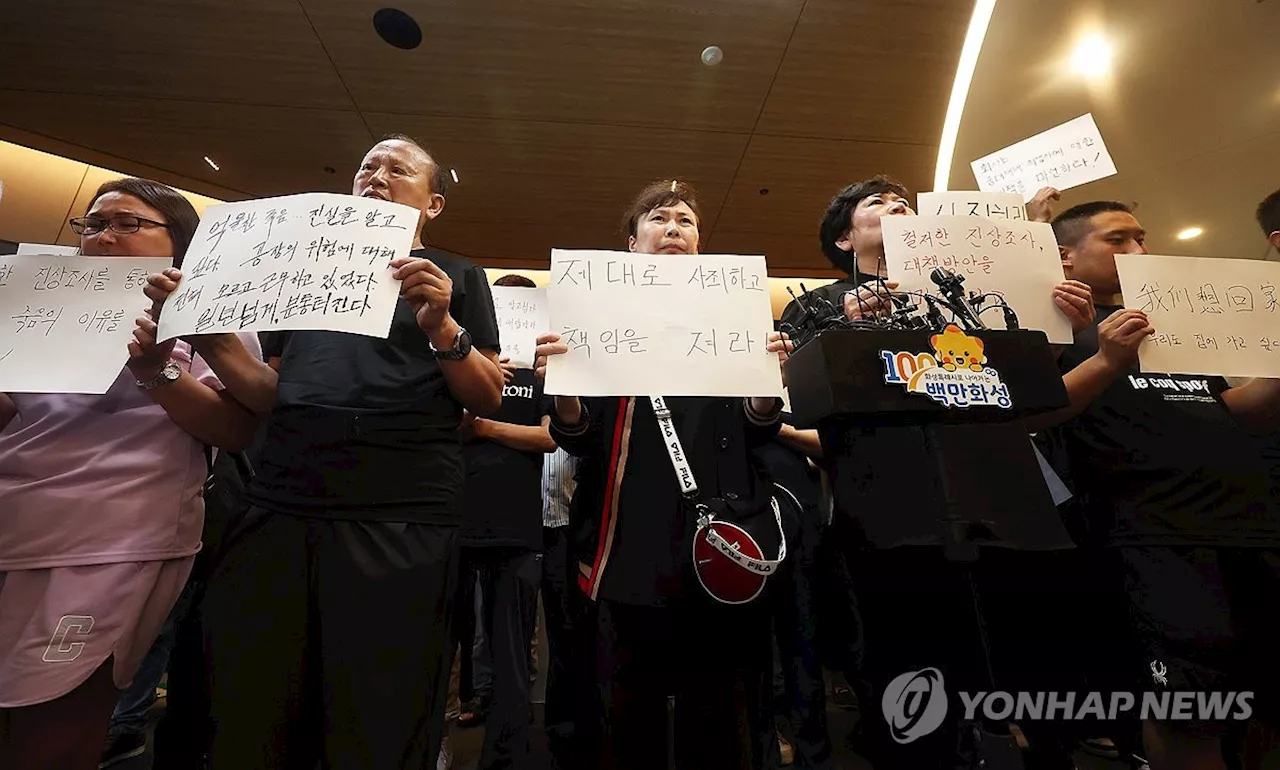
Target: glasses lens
x=125 y=225
x=86 y=225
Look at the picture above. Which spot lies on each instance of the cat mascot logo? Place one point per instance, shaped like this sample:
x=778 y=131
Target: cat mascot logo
x=955 y=373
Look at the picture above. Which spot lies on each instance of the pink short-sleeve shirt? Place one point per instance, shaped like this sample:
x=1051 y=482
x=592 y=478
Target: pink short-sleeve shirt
x=90 y=479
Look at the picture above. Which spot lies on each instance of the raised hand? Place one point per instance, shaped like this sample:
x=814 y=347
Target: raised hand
x=427 y=288
x=146 y=357
x=548 y=345
x=1040 y=208
x=1075 y=300
x=1120 y=336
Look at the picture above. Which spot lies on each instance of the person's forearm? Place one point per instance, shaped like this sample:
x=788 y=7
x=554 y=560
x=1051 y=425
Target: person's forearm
x=569 y=409
x=1256 y=406
x=523 y=438
x=249 y=380
x=475 y=381
x=1084 y=384
x=8 y=410
x=805 y=441
x=211 y=416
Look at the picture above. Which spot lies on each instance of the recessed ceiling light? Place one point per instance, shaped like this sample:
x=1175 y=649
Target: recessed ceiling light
x=212 y=165
x=1092 y=57
x=397 y=28
x=454 y=173
x=712 y=55
x=1189 y=233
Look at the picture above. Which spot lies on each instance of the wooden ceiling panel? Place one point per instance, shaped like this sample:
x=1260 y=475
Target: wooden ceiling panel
x=518 y=244
x=261 y=151
x=802 y=175
x=260 y=52
x=519 y=171
x=621 y=62
x=872 y=71
x=786 y=254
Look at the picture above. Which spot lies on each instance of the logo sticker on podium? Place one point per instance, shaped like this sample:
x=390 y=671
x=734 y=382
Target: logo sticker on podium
x=955 y=373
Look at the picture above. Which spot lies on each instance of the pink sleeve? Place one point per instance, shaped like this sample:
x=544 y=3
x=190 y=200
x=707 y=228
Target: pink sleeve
x=201 y=371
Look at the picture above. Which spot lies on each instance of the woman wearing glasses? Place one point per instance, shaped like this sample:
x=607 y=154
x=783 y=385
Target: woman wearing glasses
x=102 y=510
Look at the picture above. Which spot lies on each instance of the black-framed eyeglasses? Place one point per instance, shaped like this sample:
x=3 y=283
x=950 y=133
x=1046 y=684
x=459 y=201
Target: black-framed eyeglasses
x=122 y=224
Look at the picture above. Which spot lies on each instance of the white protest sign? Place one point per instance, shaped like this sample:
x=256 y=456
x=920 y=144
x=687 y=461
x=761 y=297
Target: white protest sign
x=957 y=203
x=1066 y=156
x=46 y=248
x=1015 y=260
x=310 y=261
x=1211 y=316
x=661 y=324
x=522 y=318
x=67 y=321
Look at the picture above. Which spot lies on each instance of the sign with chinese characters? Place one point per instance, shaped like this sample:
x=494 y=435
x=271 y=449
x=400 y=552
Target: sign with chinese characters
x=67 y=321
x=1065 y=156
x=1013 y=261
x=955 y=373
x=661 y=324
x=964 y=203
x=1211 y=316
x=310 y=261
x=522 y=318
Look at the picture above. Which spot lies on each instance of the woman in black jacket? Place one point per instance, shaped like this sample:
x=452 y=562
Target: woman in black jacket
x=660 y=633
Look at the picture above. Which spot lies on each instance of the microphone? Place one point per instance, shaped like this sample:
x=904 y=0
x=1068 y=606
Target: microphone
x=951 y=285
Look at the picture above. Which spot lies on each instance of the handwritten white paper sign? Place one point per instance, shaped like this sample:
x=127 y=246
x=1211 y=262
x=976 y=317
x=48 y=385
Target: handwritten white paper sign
x=66 y=322
x=522 y=318
x=661 y=324
x=965 y=203
x=1015 y=260
x=311 y=261
x=1066 y=156
x=1211 y=316
x=46 y=248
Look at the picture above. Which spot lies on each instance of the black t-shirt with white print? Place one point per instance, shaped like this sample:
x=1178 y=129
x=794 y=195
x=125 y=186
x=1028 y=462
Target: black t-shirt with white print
x=1160 y=460
x=502 y=504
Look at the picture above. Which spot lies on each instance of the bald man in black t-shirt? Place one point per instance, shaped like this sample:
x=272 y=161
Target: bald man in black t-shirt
x=329 y=608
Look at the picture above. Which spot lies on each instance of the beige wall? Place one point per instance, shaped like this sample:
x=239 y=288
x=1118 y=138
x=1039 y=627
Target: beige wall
x=43 y=191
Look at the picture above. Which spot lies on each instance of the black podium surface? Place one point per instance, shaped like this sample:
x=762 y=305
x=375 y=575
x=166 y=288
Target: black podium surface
x=951 y=463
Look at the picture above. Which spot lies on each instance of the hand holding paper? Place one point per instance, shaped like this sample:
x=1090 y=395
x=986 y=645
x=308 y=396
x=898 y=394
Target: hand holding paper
x=427 y=289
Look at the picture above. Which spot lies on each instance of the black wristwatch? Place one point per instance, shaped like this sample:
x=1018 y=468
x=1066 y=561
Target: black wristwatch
x=461 y=347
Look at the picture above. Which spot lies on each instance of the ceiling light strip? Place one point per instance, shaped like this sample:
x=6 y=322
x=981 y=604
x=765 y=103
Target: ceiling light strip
x=982 y=11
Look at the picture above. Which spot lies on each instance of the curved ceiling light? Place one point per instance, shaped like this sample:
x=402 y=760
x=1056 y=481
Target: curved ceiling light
x=977 y=33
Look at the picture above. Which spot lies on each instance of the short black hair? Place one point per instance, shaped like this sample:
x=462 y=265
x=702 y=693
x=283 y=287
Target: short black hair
x=1269 y=213
x=836 y=220
x=512 y=279
x=181 y=219
x=439 y=176
x=1072 y=225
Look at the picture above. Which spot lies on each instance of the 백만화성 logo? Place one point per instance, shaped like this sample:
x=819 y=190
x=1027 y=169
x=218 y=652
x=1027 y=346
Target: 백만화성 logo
x=955 y=374
x=914 y=704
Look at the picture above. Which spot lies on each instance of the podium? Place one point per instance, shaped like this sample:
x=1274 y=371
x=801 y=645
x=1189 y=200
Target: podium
x=949 y=460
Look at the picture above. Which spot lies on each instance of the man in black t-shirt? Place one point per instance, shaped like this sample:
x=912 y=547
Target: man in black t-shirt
x=329 y=608
x=501 y=538
x=1174 y=486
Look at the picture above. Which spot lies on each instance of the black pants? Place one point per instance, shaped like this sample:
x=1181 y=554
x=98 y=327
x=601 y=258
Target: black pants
x=328 y=642
x=711 y=657
x=572 y=706
x=508 y=583
x=790 y=594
